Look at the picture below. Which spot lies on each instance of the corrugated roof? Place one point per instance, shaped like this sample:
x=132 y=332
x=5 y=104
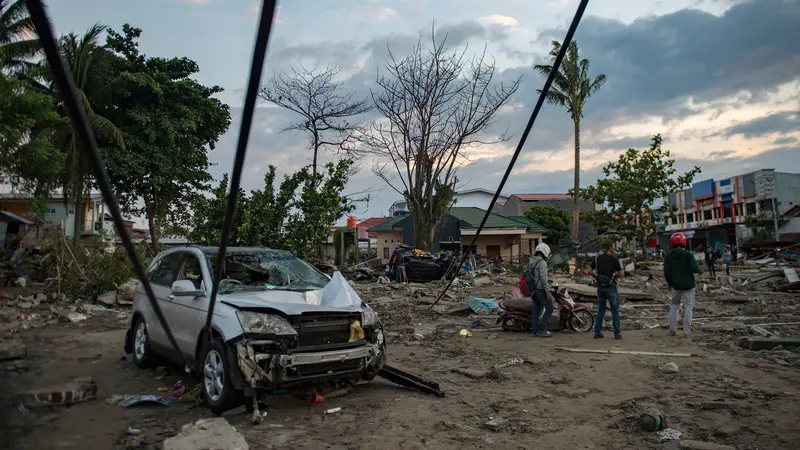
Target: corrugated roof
x=533 y=227
x=386 y=225
x=473 y=217
x=17 y=218
x=541 y=196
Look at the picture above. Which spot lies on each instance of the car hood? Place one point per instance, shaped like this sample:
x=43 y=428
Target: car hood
x=287 y=302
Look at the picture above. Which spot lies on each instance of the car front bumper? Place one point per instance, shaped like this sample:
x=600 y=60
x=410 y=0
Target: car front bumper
x=261 y=368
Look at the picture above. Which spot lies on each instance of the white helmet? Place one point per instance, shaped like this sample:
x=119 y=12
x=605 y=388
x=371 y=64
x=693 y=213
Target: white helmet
x=544 y=248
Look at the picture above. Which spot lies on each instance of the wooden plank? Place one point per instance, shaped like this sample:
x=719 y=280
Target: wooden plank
x=625 y=352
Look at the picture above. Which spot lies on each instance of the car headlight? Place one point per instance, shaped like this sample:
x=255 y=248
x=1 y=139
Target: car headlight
x=369 y=316
x=261 y=323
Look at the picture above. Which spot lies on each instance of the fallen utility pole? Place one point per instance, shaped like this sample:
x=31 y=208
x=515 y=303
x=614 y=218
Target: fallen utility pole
x=405 y=379
x=625 y=352
x=768 y=343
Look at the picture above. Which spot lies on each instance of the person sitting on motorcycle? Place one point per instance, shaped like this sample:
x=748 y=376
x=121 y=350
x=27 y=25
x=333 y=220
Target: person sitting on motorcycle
x=680 y=265
x=607 y=268
x=541 y=296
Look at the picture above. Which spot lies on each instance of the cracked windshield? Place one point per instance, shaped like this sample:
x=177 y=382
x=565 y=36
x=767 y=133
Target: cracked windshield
x=258 y=271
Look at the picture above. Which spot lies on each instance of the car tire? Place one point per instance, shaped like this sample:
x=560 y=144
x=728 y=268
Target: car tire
x=218 y=390
x=142 y=356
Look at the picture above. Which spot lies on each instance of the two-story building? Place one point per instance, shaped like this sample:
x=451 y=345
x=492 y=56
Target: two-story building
x=713 y=212
x=62 y=215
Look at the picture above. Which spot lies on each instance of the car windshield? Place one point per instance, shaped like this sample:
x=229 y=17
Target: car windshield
x=265 y=269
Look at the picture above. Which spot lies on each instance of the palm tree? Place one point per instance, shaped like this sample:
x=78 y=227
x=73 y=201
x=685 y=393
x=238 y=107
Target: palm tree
x=17 y=48
x=90 y=65
x=571 y=86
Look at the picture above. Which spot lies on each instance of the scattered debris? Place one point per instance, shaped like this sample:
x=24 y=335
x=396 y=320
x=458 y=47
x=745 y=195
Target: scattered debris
x=496 y=424
x=332 y=410
x=144 y=400
x=207 y=434
x=79 y=390
x=669 y=367
x=668 y=434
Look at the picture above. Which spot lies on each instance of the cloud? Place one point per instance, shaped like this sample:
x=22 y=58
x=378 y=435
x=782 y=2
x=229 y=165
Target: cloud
x=497 y=19
x=197 y=2
x=781 y=122
x=658 y=63
x=709 y=83
x=786 y=141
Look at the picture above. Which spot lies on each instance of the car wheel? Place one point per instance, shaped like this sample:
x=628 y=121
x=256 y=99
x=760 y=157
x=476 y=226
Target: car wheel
x=220 y=394
x=141 y=344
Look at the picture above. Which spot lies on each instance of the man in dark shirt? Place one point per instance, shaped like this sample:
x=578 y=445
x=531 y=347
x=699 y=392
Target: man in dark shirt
x=607 y=268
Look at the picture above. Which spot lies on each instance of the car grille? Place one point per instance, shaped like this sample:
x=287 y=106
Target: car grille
x=323 y=329
x=312 y=370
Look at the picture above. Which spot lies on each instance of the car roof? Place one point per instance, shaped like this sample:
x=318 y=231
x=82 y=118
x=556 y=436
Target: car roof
x=211 y=251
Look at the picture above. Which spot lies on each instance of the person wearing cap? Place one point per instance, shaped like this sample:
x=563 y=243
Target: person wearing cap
x=542 y=298
x=680 y=266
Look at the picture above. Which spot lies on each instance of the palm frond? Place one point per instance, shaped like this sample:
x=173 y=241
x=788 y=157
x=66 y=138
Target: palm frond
x=106 y=131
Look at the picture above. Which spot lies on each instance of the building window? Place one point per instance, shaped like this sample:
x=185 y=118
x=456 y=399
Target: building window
x=751 y=208
x=727 y=210
x=385 y=252
x=385 y=241
x=708 y=214
x=689 y=217
x=493 y=251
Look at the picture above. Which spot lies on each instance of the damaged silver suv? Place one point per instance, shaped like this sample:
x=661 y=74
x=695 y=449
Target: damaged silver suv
x=278 y=322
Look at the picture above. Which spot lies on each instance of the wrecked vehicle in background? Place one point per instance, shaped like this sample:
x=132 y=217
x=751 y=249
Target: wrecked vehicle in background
x=278 y=322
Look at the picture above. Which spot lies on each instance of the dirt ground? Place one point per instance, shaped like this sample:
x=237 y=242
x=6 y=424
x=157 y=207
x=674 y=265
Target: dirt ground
x=553 y=400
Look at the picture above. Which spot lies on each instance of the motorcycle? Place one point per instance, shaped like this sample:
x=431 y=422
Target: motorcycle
x=515 y=314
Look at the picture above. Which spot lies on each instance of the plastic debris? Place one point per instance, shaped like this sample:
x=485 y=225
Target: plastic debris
x=146 y=399
x=332 y=410
x=482 y=305
x=132 y=431
x=465 y=333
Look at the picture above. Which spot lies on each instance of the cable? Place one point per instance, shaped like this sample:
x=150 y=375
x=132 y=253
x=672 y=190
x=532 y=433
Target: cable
x=556 y=64
x=65 y=84
x=256 y=68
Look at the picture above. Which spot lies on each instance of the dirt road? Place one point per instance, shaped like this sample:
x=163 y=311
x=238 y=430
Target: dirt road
x=554 y=400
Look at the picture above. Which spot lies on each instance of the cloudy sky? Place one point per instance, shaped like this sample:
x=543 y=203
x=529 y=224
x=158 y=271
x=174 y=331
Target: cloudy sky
x=719 y=79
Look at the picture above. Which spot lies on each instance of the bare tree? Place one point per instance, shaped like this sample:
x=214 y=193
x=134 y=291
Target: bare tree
x=436 y=104
x=324 y=107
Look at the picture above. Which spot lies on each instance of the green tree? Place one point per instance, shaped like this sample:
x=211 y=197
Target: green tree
x=208 y=216
x=318 y=207
x=170 y=122
x=631 y=185
x=28 y=160
x=90 y=65
x=572 y=86
x=268 y=210
x=18 y=45
x=555 y=220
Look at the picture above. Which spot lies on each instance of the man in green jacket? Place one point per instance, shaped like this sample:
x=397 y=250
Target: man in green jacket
x=680 y=266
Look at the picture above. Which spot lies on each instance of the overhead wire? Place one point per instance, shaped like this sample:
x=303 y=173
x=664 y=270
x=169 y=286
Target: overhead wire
x=542 y=97
x=256 y=68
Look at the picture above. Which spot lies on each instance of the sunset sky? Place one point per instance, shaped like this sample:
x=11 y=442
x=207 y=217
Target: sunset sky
x=719 y=79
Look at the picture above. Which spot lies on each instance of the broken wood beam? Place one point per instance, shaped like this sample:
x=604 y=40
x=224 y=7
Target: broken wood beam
x=624 y=352
x=756 y=344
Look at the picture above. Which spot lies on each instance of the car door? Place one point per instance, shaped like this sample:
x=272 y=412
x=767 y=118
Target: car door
x=161 y=276
x=190 y=312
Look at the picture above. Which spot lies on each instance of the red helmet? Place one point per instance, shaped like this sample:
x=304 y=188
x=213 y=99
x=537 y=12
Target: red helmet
x=677 y=240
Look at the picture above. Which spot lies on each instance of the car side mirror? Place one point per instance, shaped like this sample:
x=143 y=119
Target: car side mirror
x=185 y=288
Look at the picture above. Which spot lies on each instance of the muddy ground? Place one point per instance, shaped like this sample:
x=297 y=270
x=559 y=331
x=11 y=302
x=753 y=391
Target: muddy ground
x=552 y=400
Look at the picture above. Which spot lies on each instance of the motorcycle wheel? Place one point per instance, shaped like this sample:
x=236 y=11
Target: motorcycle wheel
x=581 y=321
x=512 y=325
